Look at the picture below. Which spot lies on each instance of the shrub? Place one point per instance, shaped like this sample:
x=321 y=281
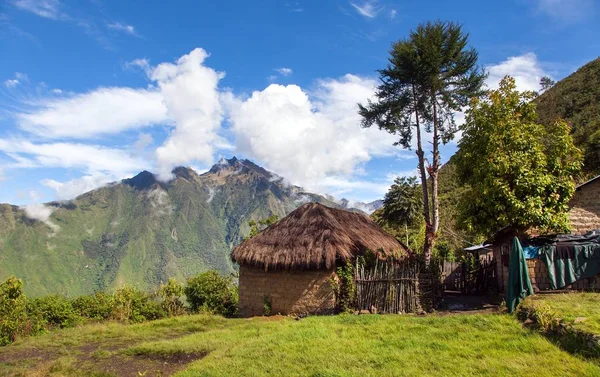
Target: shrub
x=133 y=305
x=14 y=321
x=54 y=311
x=98 y=306
x=170 y=294
x=212 y=292
x=344 y=288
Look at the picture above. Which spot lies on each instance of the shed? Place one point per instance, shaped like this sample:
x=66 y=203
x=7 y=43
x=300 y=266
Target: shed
x=288 y=266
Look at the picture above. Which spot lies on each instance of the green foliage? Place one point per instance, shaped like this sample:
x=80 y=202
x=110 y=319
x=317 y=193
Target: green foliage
x=133 y=305
x=212 y=292
x=54 y=311
x=267 y=305
x=14 y=321
x=519 y=173
x=546 y=83
x=344 y=289
x=98 y=306
x=403 y=203
x=257 y=227
x=171 y=293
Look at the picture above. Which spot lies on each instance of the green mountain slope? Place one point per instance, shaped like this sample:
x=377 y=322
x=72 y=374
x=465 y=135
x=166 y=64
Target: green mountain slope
x=576 y=99
x=141 y=231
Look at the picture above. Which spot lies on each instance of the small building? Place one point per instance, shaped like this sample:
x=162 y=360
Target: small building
x=288 y=267
x=584 y=216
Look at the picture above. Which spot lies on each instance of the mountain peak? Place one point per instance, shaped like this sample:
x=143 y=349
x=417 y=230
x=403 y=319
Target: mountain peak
x=184 y=172
x=142 y=181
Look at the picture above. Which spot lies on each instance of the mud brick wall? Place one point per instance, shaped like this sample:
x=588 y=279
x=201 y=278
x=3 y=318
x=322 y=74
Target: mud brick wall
x=290 y=292
x=584 y=214
x=538 y=273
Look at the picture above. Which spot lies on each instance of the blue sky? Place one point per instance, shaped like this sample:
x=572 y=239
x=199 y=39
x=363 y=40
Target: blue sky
x=95 y=91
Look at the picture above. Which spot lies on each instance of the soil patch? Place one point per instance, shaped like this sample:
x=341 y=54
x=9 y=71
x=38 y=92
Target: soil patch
x=143 y=365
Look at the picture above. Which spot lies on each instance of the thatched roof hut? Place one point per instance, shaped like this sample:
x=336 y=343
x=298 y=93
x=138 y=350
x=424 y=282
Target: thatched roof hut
x=315 y=237
x=290 y=264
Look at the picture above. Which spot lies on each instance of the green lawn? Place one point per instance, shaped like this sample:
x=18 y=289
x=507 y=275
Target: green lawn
x=569 y=306
x=367 y=345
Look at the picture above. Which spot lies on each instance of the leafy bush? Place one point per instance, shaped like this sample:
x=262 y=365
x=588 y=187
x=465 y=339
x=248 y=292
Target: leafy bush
x=54 y=311
x=98 y=306
x=212 y=292
x=14 y=321
x=344 y=288
x=170 y=294
x=133 y=305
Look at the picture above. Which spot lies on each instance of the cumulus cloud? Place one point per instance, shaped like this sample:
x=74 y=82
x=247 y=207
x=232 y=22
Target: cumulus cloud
x=526 y=70
x=368 y=9
x=102 y=111
x=314 y=139
x=190 y=93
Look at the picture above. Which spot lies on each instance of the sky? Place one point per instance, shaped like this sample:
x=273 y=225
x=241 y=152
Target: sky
x=93 y=91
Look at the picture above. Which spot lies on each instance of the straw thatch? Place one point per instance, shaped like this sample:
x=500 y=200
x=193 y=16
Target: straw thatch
x=314 y=237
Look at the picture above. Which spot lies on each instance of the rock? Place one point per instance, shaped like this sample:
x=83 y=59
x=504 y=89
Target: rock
x=373 y=310
x=580 y=319
x=364 y=311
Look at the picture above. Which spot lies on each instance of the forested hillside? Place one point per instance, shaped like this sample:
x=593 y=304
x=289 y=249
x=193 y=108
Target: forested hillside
x=576 y=99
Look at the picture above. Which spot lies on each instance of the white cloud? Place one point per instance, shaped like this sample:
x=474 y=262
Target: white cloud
x=43 y=8
x=11 y=83
x=127 y=29
x=315 y=141
x=102 y=111
x=525 y=69
x=91 y=158
x=190 y=93
x=368 y=9
x=284 y=71
x=41 y=212
x=144 y=64
x=393 y=14
x=75 y=187
x=567 y=10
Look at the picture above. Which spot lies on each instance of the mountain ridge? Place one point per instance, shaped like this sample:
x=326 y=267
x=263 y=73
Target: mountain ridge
x=141 y=231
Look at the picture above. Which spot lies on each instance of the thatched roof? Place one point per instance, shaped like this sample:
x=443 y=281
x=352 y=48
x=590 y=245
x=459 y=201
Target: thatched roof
x=313 y=237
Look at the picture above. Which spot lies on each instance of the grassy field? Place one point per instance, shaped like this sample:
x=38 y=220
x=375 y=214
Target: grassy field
x=569 y=306
x=203 y=345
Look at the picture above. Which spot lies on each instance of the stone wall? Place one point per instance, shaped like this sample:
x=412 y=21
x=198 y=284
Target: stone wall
x=290 y=292
x=584 y=214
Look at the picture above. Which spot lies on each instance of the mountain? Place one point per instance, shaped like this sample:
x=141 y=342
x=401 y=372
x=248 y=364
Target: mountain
x=142 y=231
x=576 y=99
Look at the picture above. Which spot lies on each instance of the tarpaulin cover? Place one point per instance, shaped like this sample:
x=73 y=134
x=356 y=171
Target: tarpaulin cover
x=519 y=285
x=570 y=259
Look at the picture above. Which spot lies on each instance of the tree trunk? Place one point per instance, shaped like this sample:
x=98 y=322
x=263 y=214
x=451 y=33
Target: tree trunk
x=435 y=223
x=427 y=246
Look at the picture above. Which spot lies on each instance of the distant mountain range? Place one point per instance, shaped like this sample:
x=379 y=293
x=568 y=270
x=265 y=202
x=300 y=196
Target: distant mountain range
x=142 y=231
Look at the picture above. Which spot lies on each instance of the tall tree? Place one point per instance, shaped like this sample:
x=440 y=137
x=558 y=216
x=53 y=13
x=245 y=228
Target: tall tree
x=546 y=83
x=430 y=75
x=403 y=203
x=519 y=172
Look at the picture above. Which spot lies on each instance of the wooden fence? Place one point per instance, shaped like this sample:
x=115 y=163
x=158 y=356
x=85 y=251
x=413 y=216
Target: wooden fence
x=470 y=278
x=389 y=287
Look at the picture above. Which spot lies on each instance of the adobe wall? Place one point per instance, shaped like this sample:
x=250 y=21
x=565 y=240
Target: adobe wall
x=538 y=274
x=584 y=214
x=290 y=292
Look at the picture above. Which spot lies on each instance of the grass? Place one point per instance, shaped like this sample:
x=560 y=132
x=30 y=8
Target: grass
x=460 y=345
x=570 y=306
